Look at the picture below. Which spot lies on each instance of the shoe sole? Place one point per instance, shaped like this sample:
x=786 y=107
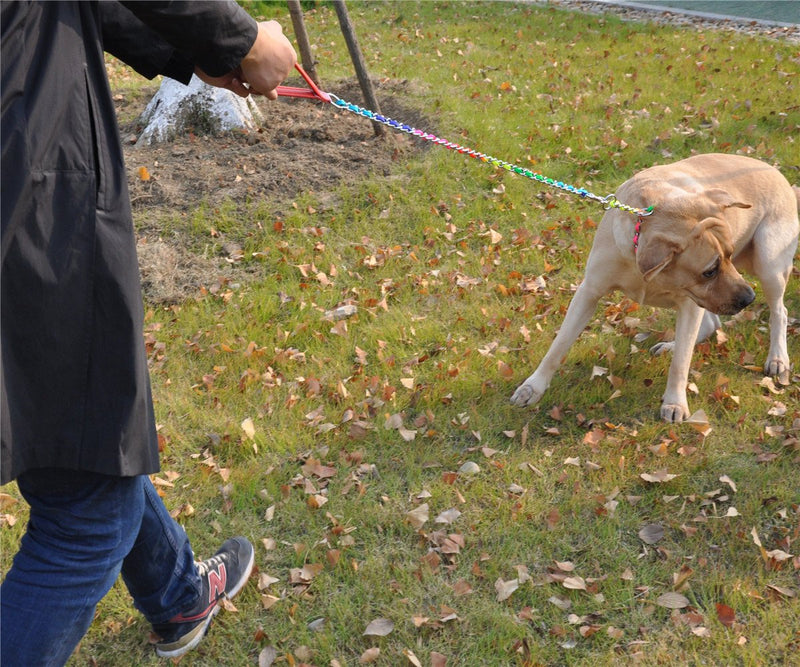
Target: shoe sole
x=196 y=635
x=200 y=631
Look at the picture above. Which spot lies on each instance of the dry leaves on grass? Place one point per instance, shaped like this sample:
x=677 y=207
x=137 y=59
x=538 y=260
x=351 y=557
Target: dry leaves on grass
x=369 y=656
x=411 y=657
x=448 y=516
x=380 y=627
x=652 y=533
x=658 y=477
x=699 y=421
x=672 y=600
x=774 y=559
x=726 y=615
x=267 y=656
x=505 y=588
x=418 y=516
x=7 y=501
x=574 y=583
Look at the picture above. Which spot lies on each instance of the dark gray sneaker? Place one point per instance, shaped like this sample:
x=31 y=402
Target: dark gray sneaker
x=222 y=576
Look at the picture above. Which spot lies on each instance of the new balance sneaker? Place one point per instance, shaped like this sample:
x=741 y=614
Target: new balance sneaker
x=221 y=576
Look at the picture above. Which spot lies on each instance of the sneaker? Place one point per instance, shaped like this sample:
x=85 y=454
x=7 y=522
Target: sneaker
x=221 y=576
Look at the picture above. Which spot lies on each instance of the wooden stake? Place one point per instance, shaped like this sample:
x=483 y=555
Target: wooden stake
x=358 y=62
x=307 y=60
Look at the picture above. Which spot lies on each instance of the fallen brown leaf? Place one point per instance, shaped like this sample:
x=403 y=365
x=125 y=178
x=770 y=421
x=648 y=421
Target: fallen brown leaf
x=505 y=588
x=267 y=656
x=574 y=583
x=418 y=516
x=448 y=516
x=380 y=627
x=462 y=587
x=726 y=615
x=413 y=659
x=562 y=603
x=672 y=600
x=652 y=533
x=658 y=477
x=782 y=591
x=370 y=655
x=438 y=659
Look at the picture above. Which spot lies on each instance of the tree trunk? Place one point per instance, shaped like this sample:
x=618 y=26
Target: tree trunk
x=199 y=108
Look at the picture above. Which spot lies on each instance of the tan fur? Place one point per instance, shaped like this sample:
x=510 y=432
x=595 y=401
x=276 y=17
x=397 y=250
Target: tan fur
x=714 y=215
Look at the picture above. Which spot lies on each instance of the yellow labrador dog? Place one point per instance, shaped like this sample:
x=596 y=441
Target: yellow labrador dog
x=714 y=215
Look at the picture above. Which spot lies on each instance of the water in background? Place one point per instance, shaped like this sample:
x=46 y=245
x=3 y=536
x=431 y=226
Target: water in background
x=783 y=11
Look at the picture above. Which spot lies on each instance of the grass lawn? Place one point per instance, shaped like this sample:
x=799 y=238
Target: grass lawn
x=403 y=512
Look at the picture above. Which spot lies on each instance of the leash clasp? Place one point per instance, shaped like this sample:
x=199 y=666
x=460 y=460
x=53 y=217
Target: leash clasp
x=312 y=92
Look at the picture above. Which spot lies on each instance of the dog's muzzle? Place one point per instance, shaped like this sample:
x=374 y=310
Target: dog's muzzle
x=743 y=298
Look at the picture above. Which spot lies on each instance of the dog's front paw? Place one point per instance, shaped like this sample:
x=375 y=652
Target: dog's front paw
x=526 y=394
x=777 y=368
x=662 y=348
x=674 y=413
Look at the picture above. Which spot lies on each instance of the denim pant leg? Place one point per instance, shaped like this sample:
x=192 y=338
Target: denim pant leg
x=81 y=527
x=160 y=571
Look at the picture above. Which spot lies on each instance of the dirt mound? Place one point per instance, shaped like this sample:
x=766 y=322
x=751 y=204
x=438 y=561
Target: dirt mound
x=302 y=146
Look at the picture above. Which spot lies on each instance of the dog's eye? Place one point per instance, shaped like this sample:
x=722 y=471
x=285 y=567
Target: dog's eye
x=711 y=272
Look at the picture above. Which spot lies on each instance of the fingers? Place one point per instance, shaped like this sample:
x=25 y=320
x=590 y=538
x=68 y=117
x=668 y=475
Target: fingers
x=239 y=88
x=232 y=81
x=269 y=61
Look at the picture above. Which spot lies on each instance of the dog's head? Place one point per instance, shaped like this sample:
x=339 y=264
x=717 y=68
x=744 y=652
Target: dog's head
x=686 y=246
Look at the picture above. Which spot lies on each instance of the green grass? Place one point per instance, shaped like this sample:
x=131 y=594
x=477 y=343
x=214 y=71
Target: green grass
x=444 y=333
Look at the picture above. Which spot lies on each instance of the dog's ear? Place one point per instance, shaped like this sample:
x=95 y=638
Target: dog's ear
x=718 y=228
x=655 y=255
x=724 y=198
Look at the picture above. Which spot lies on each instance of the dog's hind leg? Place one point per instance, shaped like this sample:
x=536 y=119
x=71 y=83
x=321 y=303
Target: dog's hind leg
x=708 y=326
x=674 y=406
x=580 y=310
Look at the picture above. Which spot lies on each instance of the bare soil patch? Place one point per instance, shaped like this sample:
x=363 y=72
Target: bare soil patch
x=303 y=146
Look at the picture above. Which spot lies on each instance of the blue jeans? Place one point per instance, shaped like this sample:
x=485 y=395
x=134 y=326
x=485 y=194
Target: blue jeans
x=85 y=529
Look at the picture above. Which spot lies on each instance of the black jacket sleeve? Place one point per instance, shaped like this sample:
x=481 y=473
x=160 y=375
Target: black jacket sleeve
x=213 y=35
x=130 y=40
x=171 y=37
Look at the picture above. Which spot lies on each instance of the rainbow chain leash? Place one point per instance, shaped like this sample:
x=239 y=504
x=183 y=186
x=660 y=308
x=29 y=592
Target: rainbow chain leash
x=609 y=201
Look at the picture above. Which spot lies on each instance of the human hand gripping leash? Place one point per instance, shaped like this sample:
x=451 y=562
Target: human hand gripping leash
x=314 y=92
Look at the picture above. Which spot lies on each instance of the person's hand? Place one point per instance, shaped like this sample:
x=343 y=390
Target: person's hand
x=232 y=81
x=269 y=61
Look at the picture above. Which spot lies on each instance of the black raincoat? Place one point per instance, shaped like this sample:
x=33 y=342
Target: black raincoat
x=75 y=384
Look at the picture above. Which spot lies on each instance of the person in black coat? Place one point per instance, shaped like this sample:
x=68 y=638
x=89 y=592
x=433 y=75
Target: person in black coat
x=77 y=425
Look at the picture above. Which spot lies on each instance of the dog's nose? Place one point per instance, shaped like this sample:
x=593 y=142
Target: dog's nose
x=745 y=298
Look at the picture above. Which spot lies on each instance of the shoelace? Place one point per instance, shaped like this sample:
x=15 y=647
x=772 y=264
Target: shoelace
x=203 y=567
